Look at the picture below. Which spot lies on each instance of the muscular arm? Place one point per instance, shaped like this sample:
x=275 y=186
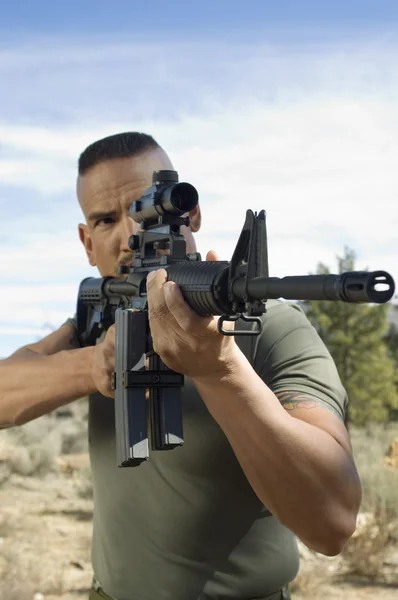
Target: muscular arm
x=39 y=378
x=301 y=406
x=297 y=458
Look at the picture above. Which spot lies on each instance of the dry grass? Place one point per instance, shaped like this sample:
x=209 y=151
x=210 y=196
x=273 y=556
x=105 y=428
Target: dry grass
x=21 y=579
x=379 y=481
x=5 y=527
x=377 y=531
x=20 y=574
x=33 y=454
x=366 y=553
x=84 y=484
x=306 y=584
x=32 y=449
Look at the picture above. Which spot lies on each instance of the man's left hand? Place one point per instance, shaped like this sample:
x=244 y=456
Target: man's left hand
x=186 y=342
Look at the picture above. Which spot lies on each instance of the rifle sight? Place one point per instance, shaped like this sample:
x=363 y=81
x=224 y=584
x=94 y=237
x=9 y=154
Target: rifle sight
x=166 y=197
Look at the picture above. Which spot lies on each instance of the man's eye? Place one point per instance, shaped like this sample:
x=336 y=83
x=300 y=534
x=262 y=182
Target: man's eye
x=105 y=221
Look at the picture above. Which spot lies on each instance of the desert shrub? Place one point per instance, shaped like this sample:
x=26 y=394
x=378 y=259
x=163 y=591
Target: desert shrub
x=366 y=552
x=379 y=481
x=33 y=448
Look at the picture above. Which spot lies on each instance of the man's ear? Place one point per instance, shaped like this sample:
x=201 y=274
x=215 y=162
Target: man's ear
x=195 y=219
x=85 y=239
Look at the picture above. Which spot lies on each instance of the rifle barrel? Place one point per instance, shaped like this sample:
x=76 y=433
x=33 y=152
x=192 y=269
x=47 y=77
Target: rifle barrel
x=353 y=286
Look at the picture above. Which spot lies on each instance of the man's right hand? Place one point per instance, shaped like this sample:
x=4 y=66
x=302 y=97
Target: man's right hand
x=103 y=364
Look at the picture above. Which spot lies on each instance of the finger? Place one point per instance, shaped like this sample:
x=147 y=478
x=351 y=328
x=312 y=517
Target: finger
x=155 y=292
x=180 y=310
x=156 y=278
x=212 y=256
x=111 y=334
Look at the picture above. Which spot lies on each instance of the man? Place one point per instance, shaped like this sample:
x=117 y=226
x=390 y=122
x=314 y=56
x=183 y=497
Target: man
x=266 y=454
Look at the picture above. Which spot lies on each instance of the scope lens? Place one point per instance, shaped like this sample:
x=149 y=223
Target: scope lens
x=184 y=197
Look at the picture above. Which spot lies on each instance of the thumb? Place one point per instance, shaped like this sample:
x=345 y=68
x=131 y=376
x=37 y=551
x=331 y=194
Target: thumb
x=212 y=256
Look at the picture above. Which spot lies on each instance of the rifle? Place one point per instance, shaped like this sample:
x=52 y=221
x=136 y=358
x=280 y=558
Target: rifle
x=233 y=290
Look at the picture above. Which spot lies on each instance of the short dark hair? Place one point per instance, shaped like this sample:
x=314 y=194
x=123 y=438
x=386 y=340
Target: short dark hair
x=120 y=145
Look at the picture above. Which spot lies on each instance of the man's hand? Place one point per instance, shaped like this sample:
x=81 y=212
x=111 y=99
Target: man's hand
x=103 y=364
x=186 y=342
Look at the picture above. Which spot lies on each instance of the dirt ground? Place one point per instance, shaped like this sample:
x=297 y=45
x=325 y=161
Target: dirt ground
x=45 y=533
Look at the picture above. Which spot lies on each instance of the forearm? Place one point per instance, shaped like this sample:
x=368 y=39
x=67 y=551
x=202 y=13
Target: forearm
x=33 y=385
x=300 y=472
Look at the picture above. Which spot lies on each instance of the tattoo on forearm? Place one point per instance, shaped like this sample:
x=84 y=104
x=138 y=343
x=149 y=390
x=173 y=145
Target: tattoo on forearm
x=292 y=400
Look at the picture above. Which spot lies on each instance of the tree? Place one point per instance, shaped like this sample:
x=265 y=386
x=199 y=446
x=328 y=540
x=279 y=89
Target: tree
x=355 y=335
x=392 y=335
x=392 y=343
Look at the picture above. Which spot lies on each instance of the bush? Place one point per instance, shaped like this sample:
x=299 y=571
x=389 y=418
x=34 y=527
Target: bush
x=33 y=448
x=379 y=481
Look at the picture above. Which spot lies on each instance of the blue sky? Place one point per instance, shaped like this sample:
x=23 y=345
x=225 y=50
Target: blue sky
x=178 y=15
x=287 y=106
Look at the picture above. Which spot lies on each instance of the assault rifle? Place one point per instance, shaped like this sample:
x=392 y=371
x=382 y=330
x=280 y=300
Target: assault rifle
x=233 y=290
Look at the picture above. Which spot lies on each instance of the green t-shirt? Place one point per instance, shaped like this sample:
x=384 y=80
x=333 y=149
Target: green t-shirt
x=186 y=524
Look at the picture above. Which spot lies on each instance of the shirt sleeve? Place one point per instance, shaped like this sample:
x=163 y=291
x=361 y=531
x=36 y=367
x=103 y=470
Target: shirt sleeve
x=290 y=356
x=71 y=322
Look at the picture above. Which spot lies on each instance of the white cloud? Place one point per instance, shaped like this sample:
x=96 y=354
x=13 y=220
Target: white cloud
x=24 y=331
x=42 y=256
x=319 y=154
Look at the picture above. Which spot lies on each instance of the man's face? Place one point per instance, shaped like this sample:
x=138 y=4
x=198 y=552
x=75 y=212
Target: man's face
x=105 y=194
